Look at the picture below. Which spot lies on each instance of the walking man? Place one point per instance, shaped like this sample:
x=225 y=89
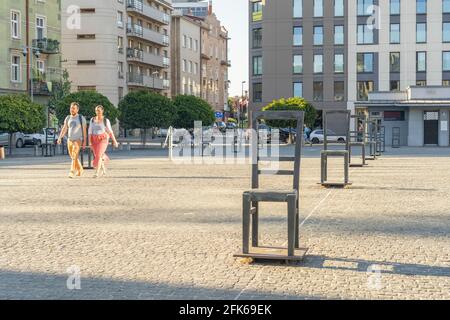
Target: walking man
x=75 y=125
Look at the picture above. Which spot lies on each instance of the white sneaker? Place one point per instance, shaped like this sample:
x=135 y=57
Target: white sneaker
x=71 y=175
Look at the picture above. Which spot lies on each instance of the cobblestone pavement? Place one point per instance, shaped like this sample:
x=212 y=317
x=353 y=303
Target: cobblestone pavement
x=153 y=229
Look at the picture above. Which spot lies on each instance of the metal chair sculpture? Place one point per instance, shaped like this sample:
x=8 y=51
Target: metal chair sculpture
x=327 y=153
x=252 y=198
x=358 y=139
x=372 y=139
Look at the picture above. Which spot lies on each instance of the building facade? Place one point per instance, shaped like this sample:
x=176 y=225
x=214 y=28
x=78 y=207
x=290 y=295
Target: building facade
x=197 y=8
x=117 y=46
x=30 y=36
x=214 y=63
x=185 y=53
x=335 y=53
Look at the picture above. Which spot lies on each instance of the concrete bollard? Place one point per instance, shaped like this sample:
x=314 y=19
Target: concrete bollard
x=2 y=153
x=129 y=146
x=36 y=151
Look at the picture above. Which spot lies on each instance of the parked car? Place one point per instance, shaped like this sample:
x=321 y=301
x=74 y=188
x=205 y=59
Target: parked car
x=18 y=139
x=317 y=136
x=220 y=125
x=231 y=126
x=38 y=139
x=264 y=131
x=284 y=134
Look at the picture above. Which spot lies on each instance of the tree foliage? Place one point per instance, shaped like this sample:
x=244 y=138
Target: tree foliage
x=19 y=114
x=294 y=104
x=190 y=109
x=87 y=100
x=144 y=110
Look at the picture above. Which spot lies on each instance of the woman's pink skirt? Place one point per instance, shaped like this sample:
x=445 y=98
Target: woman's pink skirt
x=99 y=145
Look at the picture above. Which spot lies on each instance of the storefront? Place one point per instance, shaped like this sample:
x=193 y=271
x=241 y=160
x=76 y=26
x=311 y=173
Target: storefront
x=416 y=117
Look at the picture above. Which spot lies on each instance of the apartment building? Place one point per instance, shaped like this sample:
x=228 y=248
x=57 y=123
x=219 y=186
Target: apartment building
x=185 y=53
x=30 y=36
x=214 y=62
x=117 y=46
x=197 y=8
x=339 y=54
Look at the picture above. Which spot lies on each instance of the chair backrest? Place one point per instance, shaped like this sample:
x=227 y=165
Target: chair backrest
x=357 y=133
x=257 y=116
x=344 y=116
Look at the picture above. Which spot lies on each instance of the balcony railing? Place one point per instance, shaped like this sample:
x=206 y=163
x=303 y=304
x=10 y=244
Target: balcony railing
x=148 y=11
x=47 y=46
x=141 y=80
x=142 y=56
x=147 y=34
x=133 y=53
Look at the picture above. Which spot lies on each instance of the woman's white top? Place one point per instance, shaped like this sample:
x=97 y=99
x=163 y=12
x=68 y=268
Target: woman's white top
x=97 y=128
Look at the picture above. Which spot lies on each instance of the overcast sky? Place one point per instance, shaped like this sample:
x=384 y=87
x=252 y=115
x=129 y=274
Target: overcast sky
x=234 y=15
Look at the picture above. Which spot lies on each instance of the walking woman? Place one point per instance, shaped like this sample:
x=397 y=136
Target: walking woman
x=99 y=133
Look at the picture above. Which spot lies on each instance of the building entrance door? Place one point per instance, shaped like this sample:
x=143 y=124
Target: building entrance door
x=431 y=128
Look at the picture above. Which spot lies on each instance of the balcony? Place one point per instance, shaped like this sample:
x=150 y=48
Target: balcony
x=43 y=82
x=141 y=56
x=135 y=30
x=47 y=46
x=137 y=6
x=140 y=80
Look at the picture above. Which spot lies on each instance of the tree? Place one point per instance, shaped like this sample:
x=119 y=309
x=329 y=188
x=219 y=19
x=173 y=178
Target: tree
x=60 y=90
x=145 y=110
x=295 y=103
x=19 y=114
x=87 y=100
x=190 y=109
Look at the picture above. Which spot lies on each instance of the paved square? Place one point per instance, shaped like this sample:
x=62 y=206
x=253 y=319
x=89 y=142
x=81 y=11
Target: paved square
x=156 y=230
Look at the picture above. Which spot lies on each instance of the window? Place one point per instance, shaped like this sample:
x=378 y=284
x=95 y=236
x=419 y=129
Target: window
x=298 y=89
x=298 y=63
x=298 y=36
x=446 y=32
x=85 y=36
x=365 y=34
x=40 y=67
x=40 y=28
x=339 y=88
x=120 y=19
x=363 y=89
x=395 y=33
x=298 y=8
x=338 y=8
x=395 y=7
x=184 y=41
x=338 y=35
x=196 y=45
x=365 y=62
x=421 y=61
x=421 y=83
x=318 y=91
x=365 y=7
x=339 y=63
x=15 y=69
x=318 y=8
x=15 y=24
x=421 y=32
x=257 y=8
x=257 y=38
x=318 y=36
x=257 y=92
x=318 y=63
x=85 y=62
x=446 y=83
x=394 y=62
x=446 y=61
x=421 y=6
x=184 y=65
x=257 y=66
x=446 y=6
x=394 y=85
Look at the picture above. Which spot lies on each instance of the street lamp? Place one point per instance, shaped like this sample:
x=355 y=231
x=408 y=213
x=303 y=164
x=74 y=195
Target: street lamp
x=26 y=50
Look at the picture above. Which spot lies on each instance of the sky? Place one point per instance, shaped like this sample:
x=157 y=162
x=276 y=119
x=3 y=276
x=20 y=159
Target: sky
x=234 y=16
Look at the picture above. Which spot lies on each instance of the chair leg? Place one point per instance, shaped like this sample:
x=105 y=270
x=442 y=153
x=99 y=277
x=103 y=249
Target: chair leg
x=363 y=155
x=346 y=164
x=322 y=169
x=297 y=228
x=246 y=222
x=255 y=225
x=291 y=224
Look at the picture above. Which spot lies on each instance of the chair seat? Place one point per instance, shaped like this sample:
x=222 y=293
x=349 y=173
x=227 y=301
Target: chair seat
x=271 y=195
x=334 y=152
